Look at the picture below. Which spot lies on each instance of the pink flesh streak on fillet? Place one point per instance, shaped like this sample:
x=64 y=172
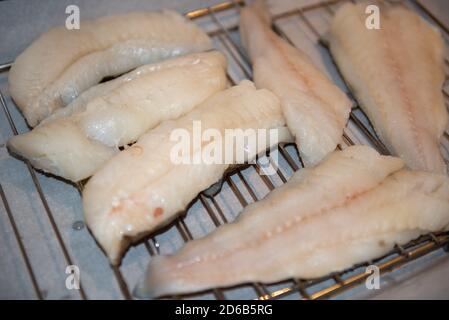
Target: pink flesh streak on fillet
x=142 y=188
x=354 y=206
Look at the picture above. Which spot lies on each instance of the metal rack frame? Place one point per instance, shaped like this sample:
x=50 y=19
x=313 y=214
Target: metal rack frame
x=400 y=256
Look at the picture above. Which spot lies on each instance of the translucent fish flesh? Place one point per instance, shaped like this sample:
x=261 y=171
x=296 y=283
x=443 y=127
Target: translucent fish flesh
x=63 y=63
x=397 y=76
x=76 y=140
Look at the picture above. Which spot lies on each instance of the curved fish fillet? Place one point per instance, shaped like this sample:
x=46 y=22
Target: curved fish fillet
x=75 y=141
x=397 y=75
x=354 y=206
x=142 y=189
x=63 y=63
x=315 y=109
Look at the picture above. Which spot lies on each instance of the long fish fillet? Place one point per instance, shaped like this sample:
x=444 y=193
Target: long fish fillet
x=354 y=206
x=76 y=140
x=315 y=109
x=397 y=75
x=63 y=63
x=142 y=189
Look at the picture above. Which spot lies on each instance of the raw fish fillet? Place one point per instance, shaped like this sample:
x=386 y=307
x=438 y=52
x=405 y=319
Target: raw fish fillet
x=142 y=189
x=63 y=63
x=315 y=109
x=397 y=75
x=76 y=140
x=354 y=206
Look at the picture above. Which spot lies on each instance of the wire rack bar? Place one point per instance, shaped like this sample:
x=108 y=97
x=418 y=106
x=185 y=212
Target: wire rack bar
x=120 y=279
x=198 y=13
x=5 y=66
x=44 y=201
x=301 y=284
x=121 y=282
x=440 y=24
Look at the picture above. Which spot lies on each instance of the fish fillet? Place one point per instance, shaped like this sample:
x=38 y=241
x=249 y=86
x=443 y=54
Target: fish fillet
x=315 y=109
x=142 y=189
x=354 y=206
x=63 y=63
x=76 y=140
x=397 y=75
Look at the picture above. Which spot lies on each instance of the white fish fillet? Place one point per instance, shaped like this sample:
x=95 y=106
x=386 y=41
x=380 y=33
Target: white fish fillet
x=352 y=207
x=141 y=189
x=315 y=109
x=63 y=63
x=75 y=141
x=397 y=75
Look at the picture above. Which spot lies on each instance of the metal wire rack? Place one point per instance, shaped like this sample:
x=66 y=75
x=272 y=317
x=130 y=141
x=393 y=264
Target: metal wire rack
x=358 y=131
